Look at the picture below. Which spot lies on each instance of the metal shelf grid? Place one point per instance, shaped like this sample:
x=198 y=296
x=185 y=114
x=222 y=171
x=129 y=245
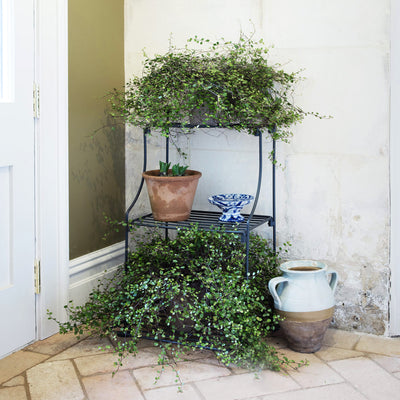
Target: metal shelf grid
x=206 y=220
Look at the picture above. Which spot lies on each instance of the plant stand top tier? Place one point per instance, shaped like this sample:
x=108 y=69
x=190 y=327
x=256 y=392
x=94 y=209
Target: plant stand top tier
x=208 y=220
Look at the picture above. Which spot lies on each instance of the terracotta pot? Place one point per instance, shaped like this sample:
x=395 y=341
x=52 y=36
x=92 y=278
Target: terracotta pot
x=304 y=297
x=171 y=197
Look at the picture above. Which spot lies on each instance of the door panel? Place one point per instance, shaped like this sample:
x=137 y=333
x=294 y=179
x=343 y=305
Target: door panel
x=17 y=186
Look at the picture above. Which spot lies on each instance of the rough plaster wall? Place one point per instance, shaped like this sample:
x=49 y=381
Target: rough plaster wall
x=333 y=184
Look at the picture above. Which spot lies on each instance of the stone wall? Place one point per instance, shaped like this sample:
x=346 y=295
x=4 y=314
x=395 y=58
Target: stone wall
x=333 y=179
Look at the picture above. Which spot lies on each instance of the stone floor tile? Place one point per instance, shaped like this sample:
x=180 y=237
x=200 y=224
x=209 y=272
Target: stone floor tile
x=317 y=373
x=237 y=370
x=329 y=392
x=54 y=344
x=397 y=375
x=105 y=363
x=90 y=346
x=379 y=345
x=13 y=393
x=391 y=364
x=246 y=385
x=194 y=354
x=183 y=392
x=342 y=339
x=211 y=361
x=17 y=363
x=17 y=381
x=368 y=378
x=153 y=349
x=155 y=377
x=335 y=353
x=97 y=364
x=190 y=371
x=186 y=371
x=142 y=343
x=106 y=387
x=54 y=380
x=278 y=342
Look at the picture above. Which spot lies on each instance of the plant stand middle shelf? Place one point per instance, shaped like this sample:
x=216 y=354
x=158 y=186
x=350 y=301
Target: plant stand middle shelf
x=208 y=220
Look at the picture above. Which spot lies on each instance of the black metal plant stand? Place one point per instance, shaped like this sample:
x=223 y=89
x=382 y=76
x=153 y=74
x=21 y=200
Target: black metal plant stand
x=209 y=220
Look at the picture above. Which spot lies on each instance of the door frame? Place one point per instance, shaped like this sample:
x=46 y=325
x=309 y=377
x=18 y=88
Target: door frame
x=52 y=214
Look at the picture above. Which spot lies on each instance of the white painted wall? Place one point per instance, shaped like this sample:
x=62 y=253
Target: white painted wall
x=333 y=187
x=394 y=326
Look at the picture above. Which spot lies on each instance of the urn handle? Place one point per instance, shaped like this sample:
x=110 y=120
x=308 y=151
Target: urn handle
x=273 y=283
x=333 y=279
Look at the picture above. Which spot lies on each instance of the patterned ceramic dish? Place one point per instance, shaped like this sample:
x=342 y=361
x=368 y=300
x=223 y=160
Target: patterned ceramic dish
x=231 y=205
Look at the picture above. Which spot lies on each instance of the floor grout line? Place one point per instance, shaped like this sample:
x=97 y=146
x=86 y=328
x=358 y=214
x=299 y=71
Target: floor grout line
x=351 y=383
x=79 y=376
x=197 y=390
x=137 y=383
x=26 y=385
x=379 y=365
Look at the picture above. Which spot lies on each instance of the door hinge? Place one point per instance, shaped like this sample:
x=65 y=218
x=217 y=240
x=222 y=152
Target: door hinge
x=36 y=273
x=36 y=103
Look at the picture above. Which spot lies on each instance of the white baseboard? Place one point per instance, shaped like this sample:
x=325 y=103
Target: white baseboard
x=85 y=271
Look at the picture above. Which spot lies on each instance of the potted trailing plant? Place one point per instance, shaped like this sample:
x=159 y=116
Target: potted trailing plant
x=231 y=84
x=190 y=290
x=171 y=191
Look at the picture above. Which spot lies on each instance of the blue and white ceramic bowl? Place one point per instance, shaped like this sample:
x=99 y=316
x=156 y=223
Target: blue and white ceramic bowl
x=231 y=205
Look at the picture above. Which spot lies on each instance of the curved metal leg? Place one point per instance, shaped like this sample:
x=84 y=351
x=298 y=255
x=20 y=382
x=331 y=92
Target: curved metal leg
x=146 y=131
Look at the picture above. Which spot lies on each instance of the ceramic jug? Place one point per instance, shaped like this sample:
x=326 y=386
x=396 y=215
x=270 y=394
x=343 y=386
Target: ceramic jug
x=304 y=298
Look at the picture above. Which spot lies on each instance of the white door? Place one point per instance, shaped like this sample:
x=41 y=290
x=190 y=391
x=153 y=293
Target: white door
x=17 y=173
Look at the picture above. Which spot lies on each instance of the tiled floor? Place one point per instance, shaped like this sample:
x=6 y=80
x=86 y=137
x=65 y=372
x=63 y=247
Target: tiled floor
x=349 y=366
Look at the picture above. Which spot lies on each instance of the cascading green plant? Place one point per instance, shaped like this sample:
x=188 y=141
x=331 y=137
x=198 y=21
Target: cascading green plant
x=192 y=290
x=234 y=84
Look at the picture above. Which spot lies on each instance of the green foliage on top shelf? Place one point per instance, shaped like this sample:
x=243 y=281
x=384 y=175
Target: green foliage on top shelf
x=232 y=83
x=192 y=290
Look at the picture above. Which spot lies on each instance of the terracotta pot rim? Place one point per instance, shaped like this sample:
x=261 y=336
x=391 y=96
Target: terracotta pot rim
x=154 y=174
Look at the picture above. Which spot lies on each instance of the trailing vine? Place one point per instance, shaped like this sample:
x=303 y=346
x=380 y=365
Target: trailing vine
x=231 y=84
x=190 y=290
